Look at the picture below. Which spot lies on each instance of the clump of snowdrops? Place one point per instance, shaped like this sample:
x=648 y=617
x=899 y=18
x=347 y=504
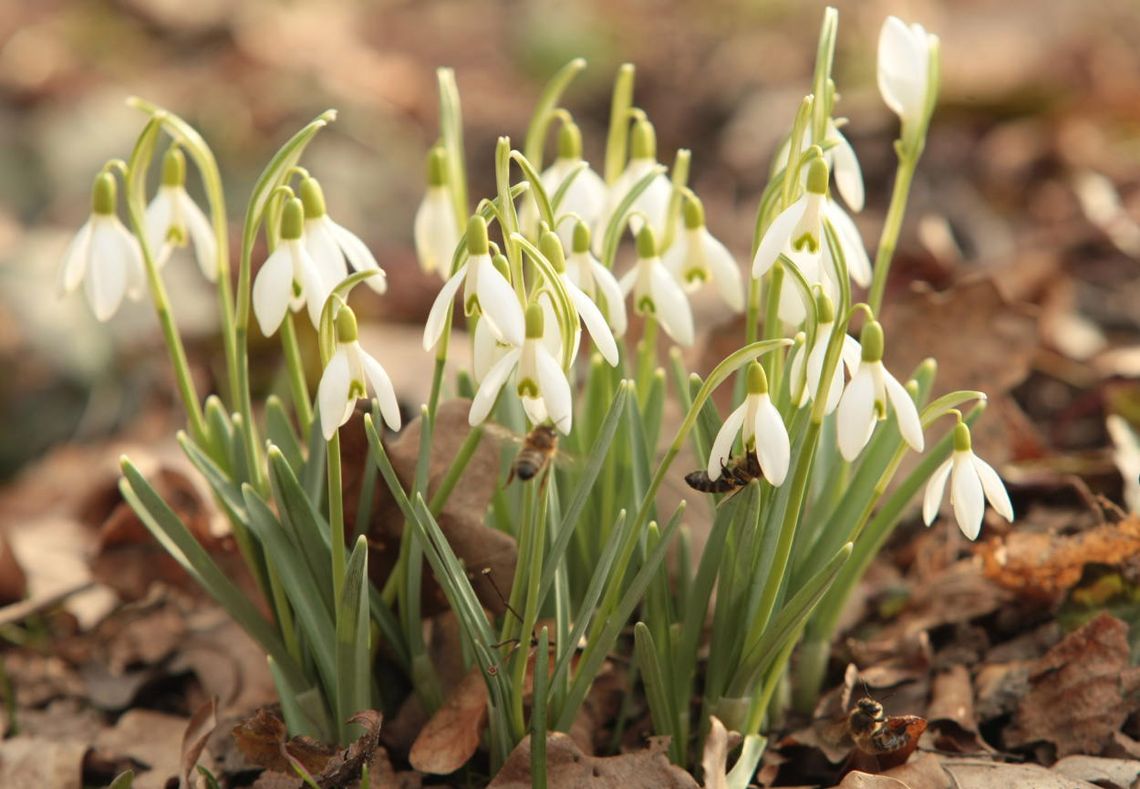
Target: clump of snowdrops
x=807 y=455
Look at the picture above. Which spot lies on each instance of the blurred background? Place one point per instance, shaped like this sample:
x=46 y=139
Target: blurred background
x=1031 y=174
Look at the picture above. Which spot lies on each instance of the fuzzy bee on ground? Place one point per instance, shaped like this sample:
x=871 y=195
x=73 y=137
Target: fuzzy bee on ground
x=881 y=741
x=734 y=475
x=538 y=448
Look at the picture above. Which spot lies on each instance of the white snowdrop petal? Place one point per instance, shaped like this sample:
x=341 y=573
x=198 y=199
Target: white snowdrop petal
x=489 y=390
x=314 y=284
x=555 y=390
x=75 y=258
x=854 y=253
x=595 y=322
x=935 y=487
x=324 y=252
x=855 y=418
x=611 y=291
x=435 y=232
x=902 y=67
x=202 y=235
x=725 y=437
x=483 y=350
x=773 y=449
x=500 y=305
x=967 y=497
x=798 y=376
x=851 y=353
x=332 y=392
x=132 y=258
x=994 y=489
x=629 y=279
x=848 y=174
x=106 y=281
x=156 y=223
x=273 y=290
x=776 y=238
x=437 y=316
x=382 y=386
x=358 y=254
x=905 y=410
x=725 y=272
x=672 y=308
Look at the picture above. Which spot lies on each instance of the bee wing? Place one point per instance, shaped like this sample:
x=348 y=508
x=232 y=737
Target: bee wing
x=501 y=433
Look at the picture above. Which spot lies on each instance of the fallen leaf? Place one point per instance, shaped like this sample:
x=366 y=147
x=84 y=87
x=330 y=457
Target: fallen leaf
x=150 y=739
x=263 y=740
x=715 y=758
x=951 y=712
x=198 y=730
x=977 y=774
x=344 y=767
x=567 y=766
x=32 y=761
x=451 y=736
x=1114 y=773
x=861 y=780
x=1080 y=691
x=13 y=580
x=923 y=772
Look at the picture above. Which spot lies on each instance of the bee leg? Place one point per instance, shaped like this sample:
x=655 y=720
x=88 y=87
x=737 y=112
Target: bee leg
x=510 y=477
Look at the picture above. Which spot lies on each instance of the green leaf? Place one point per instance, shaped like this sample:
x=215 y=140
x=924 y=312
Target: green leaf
x=124 y=780
x=303 y=708
x=657 y=694
x=538 y=710
x=312 y=477
x=618 y=137
x=543 y=109
x=307 y=530
x=353 y=656
x=219 y=481
x=451 y=130
x=740 y=776
x=279 y=430
x=173 y=535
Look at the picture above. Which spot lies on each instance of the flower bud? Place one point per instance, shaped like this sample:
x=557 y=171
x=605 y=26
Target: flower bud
x=569 y=141
x=551 y=248
x=437 y=166
x=313 y=198
x=173 y=167
x=292 y=220
x=757 y=380
x=477 y=241
x=643 y=141
x=694 y=212
x=871 y=340
x=534 y=325
x=646 y=243
x=346 y=329
x=103 y=194
x=581 y=238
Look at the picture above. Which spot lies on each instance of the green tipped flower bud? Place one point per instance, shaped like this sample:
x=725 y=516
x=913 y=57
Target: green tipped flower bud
x=502 y=265
x=646 y=243
x=313 y=198
x=581 y=238
x=534 y=321
x=643 y=141
x=694 y=212
x=757 y=380
x=872 y=341
x=437 y=166
x=962 y=442
x=477 y=241
x=292 y=220
x=173 y=167
x=569 y=141
x=817 y=176
x=346 y=330
x=551 y=247
x=103 y=194
x=824 y=308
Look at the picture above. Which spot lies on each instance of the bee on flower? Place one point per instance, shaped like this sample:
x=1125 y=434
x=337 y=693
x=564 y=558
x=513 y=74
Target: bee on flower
x=104 y=257
x=347 y=376
x=972 y=482
x=173 y=218
x=762 y=430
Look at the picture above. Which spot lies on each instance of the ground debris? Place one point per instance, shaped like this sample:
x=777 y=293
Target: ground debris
x=567 y=767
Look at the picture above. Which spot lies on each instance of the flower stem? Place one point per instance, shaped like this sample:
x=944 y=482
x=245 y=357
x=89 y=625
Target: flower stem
x=891 y=228
x=646 y=359
x=298 y=388
x=336 y=514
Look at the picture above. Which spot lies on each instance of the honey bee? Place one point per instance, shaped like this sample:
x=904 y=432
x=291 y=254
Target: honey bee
x=538 y=448
x=881 y=741
x=734 y=474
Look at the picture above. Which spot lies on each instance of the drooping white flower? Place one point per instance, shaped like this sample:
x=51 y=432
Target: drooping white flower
x=763 y=431
x=849 y=356
x=551 y=247
x=486 y=291
x=864 y=401
x=435 y=230
x=840 y=157
x=696 y=258
x=538 y=379
x=595 y=280
x=289 y=278
x=905 y=77
x=585 y=195
x=651 y=204
x=972 y=482
x=347 y=376
x=329 y=244
x=798 y=234
x=656 y=292
x=104 y=256
x=172 y=219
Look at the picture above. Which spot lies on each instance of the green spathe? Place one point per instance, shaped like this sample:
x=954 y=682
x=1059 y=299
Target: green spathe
x=534 y=321
x=313 y=198
x=477 y=241
x=173 y=167
x=292 y=220
x=103 y=194
x=872 y=341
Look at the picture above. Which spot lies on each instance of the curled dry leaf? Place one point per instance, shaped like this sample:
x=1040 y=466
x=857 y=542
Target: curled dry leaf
x=567 y=766
x=451 y=737
x=1044 y=566
x=951 y=712
x=147 y=738
x=1080 y=692
x=715 y=758
x=198 y=730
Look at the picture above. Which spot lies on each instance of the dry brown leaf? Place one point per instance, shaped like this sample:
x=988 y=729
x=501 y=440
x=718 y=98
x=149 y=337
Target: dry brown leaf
x=1080 y=691
x=1114 y=773
x=263 y=740
x=30 y=761
x=951 y=712
x=861 y=780
x=1044 y=566
x=198 y=730
x=149 y=738
x=714 y=761
x=923 y=772
x=451 y=737
x=567 y=766
x=979 y=774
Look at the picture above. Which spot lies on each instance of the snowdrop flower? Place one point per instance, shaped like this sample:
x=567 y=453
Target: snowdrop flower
x=551 y=247
x=585 y=197
x=840 y=157
x=656 y=292
x=172 y=219
x=849 y=355
x=329 y=244
x=346 y=378
x=104 y=256
x=907 y=73
x=486 y=347
x=763 y=431
x=696 y=258
x=486 y=291
x=539 y=380
x=653 y=203
x=289 y=278
x=864 y=402
x=972 y=481
x=595 y=280
x=798 y=234
x=435 y=229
